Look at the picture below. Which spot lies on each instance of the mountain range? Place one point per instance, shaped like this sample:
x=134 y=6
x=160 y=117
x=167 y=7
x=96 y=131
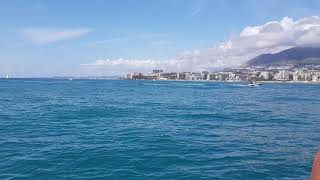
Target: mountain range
x=295 y=56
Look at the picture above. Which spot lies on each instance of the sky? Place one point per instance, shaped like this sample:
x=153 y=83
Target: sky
x=45 y=38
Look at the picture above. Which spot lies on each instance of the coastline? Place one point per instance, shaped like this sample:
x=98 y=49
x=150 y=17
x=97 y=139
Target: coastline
x=172 y=80
x=240 y=82
x=289 y=82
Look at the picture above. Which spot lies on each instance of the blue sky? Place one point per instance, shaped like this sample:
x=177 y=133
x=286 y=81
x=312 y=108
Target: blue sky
x=53 y=38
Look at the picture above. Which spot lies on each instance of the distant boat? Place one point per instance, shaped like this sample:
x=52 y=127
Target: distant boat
x=7 y=76
x=253 y=83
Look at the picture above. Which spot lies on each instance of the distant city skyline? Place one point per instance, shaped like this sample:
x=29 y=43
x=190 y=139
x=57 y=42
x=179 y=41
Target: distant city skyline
x=98 y=38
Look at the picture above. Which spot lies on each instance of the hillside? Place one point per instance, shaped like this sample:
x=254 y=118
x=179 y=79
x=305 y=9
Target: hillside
x=296 y=55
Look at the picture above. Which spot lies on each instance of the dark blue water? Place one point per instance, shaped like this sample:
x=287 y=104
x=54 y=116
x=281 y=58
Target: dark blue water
x=103 y=129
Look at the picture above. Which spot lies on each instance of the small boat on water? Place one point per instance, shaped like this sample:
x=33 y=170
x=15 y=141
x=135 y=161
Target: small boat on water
x=253 y=83
x=7 y=76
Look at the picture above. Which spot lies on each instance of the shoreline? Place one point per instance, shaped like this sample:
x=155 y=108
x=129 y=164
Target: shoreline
x=172 y=80
x=239 y=82
x=289 y=82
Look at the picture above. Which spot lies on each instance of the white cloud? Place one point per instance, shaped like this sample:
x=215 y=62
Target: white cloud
x=252 y=41
x=130 y=65
x=135 y=37
x=49 y=35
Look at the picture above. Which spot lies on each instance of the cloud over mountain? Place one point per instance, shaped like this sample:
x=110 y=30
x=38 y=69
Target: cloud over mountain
x=270 y=37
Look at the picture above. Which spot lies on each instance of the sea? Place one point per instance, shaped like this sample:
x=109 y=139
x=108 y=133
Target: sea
x=121 y=129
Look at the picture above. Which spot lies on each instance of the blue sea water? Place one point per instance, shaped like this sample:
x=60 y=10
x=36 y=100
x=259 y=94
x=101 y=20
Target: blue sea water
x=117 y=129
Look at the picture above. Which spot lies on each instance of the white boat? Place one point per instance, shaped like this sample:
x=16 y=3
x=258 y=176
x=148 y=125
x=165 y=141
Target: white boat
x=7 y=76
x=254 y=84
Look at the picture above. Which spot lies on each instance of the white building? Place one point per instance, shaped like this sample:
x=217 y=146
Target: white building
x=316 y=78
x=299 y=75
x=265 y=75
x=128 y=76
x=188 y=76
x=283 y=75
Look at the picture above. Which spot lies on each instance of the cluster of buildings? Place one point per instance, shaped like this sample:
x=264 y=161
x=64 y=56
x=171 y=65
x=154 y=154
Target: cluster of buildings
x=309 y=73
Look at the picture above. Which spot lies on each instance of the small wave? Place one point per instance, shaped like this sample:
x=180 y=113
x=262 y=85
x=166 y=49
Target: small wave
x=173 y=84
x=240 y=85
x=154 y=84
x=30 y=81
x=187 y=84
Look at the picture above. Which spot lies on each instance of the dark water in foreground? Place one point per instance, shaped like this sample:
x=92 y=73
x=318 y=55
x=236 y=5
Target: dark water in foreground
x=87 y=129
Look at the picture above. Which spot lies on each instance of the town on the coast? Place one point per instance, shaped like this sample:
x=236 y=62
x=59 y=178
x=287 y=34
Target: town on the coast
x=284 y=73
x=297 y=64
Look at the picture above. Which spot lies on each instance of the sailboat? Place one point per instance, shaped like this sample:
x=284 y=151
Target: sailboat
x=7 y=76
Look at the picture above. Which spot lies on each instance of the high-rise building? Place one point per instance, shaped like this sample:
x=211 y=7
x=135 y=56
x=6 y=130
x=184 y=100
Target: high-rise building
x=283 y=75
x=265 y=75
x=128 y=76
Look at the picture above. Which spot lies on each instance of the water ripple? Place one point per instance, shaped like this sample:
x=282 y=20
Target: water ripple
x=87 y=129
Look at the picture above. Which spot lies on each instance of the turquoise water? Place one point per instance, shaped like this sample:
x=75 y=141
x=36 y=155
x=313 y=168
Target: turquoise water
x=104 y=129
